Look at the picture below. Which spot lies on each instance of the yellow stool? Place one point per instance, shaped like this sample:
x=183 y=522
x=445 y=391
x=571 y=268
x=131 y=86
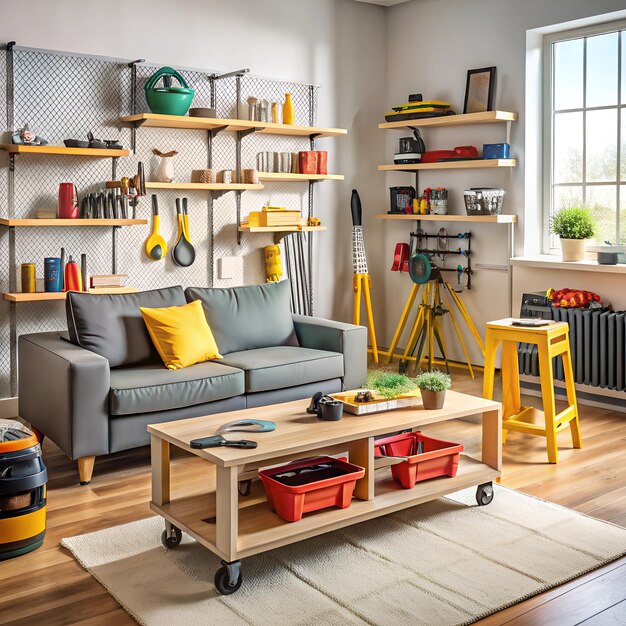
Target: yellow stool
x=551 y=340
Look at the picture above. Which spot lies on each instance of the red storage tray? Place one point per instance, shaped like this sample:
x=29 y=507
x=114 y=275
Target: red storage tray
x=440 y=458
x=291 y=501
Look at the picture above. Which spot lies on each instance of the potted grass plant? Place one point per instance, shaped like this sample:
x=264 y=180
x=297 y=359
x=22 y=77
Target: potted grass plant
x=433 y=386
x=390 y=385
x=574 y=225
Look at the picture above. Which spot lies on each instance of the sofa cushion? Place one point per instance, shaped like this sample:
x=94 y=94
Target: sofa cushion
x=111 y=324
x=246 y=318
x=285 y=366
x=153 y=388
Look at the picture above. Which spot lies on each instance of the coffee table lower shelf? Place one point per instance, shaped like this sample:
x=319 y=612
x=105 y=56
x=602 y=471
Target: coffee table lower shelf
x=260 y=529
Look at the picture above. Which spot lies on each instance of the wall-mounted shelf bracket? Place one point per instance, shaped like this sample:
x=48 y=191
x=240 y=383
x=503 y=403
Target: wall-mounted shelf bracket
x=133 y=102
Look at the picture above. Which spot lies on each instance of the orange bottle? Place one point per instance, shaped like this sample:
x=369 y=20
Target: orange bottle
x=73 y=279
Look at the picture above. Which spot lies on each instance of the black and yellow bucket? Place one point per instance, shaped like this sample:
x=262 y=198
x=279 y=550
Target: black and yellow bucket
x=23 y=478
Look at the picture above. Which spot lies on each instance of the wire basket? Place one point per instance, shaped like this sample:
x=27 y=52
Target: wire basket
x=484 y=201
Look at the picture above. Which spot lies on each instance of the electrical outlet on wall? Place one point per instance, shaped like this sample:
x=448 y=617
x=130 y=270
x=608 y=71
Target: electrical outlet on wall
x=229 y=267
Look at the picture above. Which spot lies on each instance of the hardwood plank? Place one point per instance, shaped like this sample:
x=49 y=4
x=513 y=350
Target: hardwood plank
x=579 y=604
x=613 y=616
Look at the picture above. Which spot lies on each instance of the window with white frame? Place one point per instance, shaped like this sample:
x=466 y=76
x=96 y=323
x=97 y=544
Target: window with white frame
x=586 y=127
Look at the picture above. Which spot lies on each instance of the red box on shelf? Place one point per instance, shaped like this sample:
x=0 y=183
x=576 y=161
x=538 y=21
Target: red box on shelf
x=310 y=485
x=439 y=458
x=322 y=162
x=308 y=162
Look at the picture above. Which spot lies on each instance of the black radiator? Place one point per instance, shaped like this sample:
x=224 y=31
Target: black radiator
x=597 y=343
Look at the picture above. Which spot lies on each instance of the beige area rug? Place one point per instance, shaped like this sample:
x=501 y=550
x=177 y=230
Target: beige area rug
x=445 y=562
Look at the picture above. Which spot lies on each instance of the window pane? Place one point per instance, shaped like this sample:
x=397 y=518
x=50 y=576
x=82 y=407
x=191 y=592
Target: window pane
x=566 y=196
x=622 y=213
x=602 y=145
x=568 y=147
x=622 y=165
x=568 y=74
x=602 y=201
x=602 y=70
x=623 y=35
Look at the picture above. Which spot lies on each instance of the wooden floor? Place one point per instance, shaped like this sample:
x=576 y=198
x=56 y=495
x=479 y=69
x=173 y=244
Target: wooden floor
x=47 y=587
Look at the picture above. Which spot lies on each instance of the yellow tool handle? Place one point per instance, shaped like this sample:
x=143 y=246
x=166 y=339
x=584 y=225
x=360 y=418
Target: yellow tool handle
x=186 y=226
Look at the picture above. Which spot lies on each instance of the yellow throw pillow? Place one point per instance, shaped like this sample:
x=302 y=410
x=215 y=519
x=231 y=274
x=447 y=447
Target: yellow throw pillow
x=181 y=334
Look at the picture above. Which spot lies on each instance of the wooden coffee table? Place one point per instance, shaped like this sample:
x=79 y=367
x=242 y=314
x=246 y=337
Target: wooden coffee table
x=234 y=526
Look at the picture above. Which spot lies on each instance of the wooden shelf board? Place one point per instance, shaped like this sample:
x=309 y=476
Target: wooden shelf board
x=494 y=219
x=260 y=529
x=206 y=123
x=244 y=228
x=286 y=177
x=62 y=150
x=204 y=186
x=65 y=223
x=486 y=117
x=49 y=296
x=450 y=165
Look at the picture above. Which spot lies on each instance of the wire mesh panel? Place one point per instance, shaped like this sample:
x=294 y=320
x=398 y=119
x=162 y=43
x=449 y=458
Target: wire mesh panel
x=62 y=96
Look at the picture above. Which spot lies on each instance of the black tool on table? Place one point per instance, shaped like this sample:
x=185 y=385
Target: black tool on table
x=217 y=441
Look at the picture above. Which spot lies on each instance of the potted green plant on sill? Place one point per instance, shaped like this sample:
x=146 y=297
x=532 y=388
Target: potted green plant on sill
x=433 y=386
x=574 y=225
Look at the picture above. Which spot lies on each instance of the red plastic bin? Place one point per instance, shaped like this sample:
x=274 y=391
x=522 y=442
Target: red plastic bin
x=310 y=485
x=439 y=458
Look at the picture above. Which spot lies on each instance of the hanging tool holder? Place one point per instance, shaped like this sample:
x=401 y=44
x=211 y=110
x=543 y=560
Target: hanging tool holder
x=65 y=96
x=441 y=249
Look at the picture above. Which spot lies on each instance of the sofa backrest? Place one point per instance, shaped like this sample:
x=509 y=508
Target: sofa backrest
x=111 y=325
x=245 y=318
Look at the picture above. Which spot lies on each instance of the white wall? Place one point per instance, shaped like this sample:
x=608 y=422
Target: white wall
x=318 y=41
x=431 y=45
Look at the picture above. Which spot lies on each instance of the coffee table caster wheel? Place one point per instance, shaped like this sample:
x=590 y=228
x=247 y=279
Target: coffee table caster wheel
x=484 y=494
x=171 y=537
x=228 y=578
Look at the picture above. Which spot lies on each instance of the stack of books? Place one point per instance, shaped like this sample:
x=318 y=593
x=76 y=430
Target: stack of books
x=46 y=214
x=109 y=283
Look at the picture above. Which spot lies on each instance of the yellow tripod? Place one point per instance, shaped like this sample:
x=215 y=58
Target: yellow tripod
x=362 y=284
x=427 y=330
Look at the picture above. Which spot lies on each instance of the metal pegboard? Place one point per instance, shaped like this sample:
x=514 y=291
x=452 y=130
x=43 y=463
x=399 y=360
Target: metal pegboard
x=65 y=96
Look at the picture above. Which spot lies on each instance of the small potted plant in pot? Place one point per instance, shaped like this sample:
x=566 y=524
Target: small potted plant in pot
x=574 y=225
x=433 y=386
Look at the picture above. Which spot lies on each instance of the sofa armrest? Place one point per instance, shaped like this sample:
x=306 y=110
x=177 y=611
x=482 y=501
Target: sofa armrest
x=64 y=393
x=348 y=339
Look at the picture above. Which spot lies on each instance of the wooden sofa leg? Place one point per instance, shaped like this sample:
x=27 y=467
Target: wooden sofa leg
x=85 y=469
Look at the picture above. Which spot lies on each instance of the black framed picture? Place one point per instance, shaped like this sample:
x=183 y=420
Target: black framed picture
x=480 y=90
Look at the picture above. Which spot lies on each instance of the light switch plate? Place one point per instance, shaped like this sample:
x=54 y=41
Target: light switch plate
x=229 y=267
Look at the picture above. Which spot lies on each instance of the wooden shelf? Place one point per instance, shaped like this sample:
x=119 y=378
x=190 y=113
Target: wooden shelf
x=244 y=228
x=207 y=123
x=204 y=186
x=57 y=295
x=260 y=529
x=286 y=177
x=493 y=219
x=450 y=165
x=65 y=223
x=487 y=117
x=62 y=150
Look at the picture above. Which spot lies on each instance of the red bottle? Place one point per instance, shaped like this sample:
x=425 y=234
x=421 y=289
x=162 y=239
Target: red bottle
x=73 y=280
x=68 y=201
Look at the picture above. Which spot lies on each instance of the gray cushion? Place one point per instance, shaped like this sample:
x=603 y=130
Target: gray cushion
x=245 y=318
x=111 y=324
x=155 y=388
x=285 y=366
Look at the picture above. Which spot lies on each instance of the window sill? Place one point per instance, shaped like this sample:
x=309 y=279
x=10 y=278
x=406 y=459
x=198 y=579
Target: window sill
x=547 y=261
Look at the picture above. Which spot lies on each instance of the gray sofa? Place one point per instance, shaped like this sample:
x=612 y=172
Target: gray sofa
x=94 y=389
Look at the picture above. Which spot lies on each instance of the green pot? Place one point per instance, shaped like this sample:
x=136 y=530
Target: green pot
x=168 y=100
